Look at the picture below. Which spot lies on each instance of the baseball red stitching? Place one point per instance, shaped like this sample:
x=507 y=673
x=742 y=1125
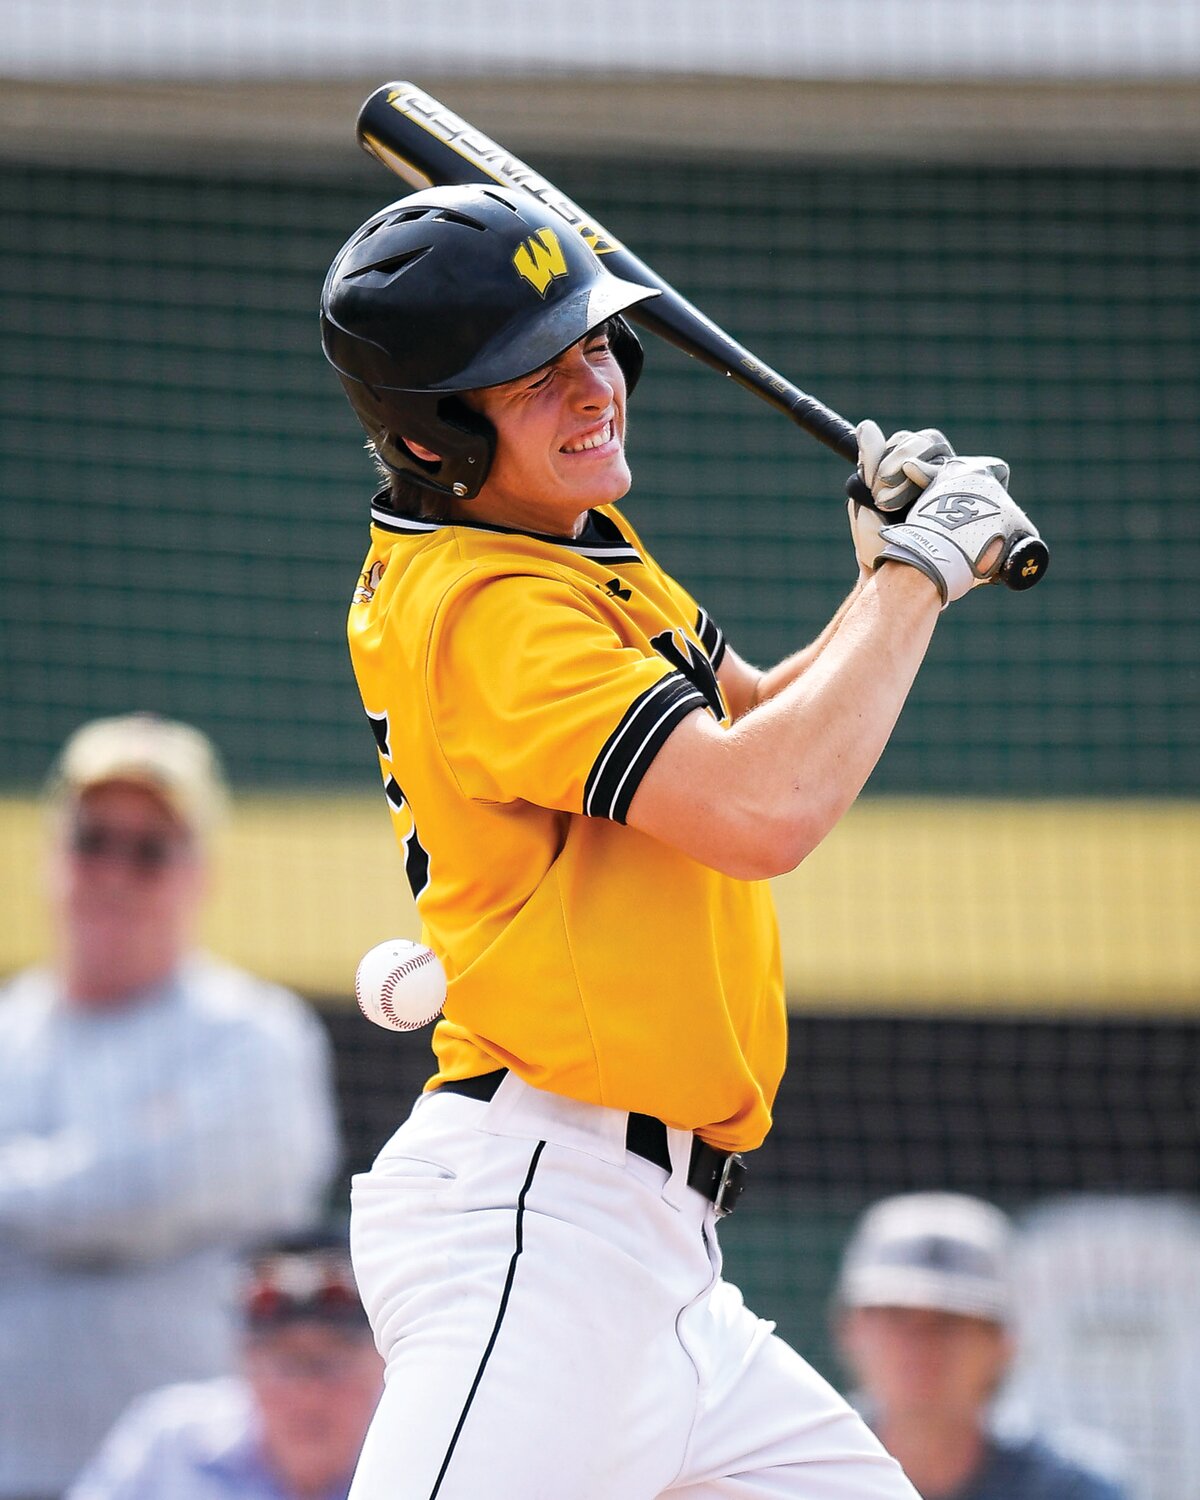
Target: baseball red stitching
x=388 y=987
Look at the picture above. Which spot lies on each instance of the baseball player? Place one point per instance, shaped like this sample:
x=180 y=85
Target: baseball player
x=591 y=789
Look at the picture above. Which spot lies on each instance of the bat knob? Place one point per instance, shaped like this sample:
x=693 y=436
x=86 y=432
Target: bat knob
x=1026 y=563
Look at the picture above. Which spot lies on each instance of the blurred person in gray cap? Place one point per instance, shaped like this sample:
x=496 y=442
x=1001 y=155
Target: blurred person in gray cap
x=288 y=1425
x=159 y=1110
x=923 y=1315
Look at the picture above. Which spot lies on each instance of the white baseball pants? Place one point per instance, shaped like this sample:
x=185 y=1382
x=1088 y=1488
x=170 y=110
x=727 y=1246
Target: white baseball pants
x=555 y=1325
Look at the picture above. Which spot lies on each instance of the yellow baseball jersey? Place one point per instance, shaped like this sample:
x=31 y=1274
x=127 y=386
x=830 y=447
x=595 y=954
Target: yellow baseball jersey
x=519 y=686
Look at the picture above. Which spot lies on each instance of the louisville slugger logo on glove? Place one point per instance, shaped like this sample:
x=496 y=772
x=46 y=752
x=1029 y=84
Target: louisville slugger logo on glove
x=959 y=531
x=959 y=509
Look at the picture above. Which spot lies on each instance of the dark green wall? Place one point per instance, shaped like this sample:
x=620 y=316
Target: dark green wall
x=184 y=494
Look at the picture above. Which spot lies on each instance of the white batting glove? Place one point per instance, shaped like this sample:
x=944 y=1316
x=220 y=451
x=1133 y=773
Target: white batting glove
x=950 y=533
x=898 y=468
x=865 y=522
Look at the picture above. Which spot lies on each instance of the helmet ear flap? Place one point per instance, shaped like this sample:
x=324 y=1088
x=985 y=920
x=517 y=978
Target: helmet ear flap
x=443 y=424
x=627 y=350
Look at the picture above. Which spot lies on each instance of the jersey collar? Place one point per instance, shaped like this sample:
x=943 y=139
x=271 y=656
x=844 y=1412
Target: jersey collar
x=601 y=537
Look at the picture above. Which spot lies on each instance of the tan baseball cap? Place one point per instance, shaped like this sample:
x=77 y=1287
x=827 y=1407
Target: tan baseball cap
x=174 y=760
x=943 y=1251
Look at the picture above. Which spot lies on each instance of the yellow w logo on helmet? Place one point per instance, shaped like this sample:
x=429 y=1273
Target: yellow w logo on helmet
x=539 y=259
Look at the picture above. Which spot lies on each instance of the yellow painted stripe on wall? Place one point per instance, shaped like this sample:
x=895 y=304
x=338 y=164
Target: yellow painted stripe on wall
x=910 y=905
x=999 y=906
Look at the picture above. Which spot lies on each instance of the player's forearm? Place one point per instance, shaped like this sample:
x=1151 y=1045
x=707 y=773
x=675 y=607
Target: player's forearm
x=807 y=753
x=754 y=799
x=776 y=678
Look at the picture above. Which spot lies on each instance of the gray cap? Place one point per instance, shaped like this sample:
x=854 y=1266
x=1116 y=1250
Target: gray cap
x=942 y=1251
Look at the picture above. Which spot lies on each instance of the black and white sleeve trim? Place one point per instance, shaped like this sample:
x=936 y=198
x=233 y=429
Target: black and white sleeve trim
x=633 y=744
x=712 y=637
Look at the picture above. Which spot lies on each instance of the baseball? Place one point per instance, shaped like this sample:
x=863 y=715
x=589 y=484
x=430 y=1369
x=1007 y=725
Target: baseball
x=400 y=985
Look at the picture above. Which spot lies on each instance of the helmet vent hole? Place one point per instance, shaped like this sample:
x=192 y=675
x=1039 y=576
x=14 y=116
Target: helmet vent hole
x=390 y=266
x=504 y=202
x=450 y=216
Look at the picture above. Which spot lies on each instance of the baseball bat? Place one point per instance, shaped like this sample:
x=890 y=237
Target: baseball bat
x=420 y=140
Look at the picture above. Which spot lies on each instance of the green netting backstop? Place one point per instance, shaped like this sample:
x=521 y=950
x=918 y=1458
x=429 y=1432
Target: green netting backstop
x=185 y=496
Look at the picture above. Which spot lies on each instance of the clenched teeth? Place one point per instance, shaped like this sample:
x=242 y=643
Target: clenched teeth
x=597 y=440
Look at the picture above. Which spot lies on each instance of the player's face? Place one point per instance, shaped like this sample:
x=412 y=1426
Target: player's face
x=560 y=445
x=125 y=883
x=913 y=1361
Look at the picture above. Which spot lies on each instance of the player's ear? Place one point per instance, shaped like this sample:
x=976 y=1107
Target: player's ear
x=426 y=455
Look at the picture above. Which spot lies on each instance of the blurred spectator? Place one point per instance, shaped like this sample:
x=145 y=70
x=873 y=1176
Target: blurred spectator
x=158 y=1111
x=924 y=1307
x=289 y=1427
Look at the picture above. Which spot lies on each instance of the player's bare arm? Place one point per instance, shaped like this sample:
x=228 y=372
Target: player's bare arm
x=892 y=473
x=755 y=799
x=746 y=686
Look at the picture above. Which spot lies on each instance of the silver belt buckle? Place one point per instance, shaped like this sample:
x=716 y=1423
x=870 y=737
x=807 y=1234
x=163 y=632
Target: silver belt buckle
x=729 y=1184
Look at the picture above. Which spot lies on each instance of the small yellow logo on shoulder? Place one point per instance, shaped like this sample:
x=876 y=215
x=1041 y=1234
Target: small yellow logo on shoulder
x=539 y=259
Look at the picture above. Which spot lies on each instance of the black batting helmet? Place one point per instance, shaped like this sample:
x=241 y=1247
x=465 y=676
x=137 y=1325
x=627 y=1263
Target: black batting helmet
x=451 y=290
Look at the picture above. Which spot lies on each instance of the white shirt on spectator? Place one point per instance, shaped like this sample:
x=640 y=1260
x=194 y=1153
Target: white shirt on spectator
x=142 y=1148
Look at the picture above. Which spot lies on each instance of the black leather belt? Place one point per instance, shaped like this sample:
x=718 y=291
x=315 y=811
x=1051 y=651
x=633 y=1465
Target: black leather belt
x=719 y=1175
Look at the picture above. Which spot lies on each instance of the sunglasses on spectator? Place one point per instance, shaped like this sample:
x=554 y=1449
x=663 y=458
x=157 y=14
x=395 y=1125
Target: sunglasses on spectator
x=288 y=1366
x=145 y=853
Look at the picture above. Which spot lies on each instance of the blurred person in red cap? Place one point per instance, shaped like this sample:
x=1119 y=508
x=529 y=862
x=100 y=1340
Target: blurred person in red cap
x=289 y=1425
x=158 y=1110
x=923 y=1318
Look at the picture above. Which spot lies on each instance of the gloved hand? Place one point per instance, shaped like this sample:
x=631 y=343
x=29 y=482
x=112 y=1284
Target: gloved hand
x=896 y=469
x=882 y=461
x=865 y=524
x=957 y=533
